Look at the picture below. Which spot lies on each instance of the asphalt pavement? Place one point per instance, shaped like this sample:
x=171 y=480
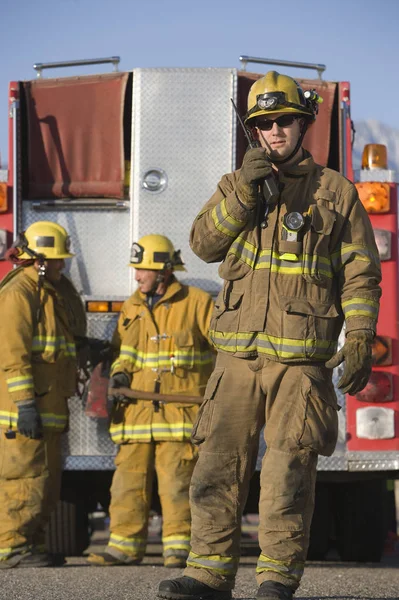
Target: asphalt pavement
x=77 y=580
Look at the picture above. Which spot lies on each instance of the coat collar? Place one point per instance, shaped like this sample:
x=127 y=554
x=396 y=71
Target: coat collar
x=172 y=290
x=301 y=169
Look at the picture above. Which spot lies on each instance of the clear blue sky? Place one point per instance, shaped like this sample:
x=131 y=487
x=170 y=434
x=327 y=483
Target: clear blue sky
x=358 y=40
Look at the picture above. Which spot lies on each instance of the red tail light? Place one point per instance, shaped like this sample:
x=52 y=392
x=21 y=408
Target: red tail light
x=378 y=388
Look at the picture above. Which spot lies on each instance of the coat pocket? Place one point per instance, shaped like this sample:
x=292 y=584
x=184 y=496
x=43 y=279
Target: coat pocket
x=308 y=328
x=183 y=351
x=203 y=421
x=316 y=265
x=226 y=314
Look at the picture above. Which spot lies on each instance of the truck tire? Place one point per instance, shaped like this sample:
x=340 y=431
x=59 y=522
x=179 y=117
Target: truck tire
x=68 y=530
x=360 y=520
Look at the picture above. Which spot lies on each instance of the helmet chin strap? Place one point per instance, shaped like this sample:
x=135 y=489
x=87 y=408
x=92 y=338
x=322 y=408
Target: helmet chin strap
x=162 y=277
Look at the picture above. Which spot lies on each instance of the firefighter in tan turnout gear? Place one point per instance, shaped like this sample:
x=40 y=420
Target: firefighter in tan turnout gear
x=40 y=314
x=162 y=337
x=298 y=260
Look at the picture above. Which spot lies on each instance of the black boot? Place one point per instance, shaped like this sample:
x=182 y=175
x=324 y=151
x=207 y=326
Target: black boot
x=272 y=590
x=187 y=588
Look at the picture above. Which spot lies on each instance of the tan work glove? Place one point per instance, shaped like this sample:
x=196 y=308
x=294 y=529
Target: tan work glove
x=356 y=352
x=255 y=167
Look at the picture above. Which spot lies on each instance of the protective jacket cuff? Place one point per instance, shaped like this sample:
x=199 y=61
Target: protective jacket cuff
x=236 y=208
x=354 y=323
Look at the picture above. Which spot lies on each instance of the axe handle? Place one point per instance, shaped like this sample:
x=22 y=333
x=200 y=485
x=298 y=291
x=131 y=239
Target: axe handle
x=140 y=395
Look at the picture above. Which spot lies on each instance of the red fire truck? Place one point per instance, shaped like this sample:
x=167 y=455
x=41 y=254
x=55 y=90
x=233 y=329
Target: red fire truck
x=115 y=156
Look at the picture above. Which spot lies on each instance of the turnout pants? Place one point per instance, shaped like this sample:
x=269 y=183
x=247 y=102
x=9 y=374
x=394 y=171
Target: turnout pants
x=131 y=490
x=30 y=481
x=297 y=404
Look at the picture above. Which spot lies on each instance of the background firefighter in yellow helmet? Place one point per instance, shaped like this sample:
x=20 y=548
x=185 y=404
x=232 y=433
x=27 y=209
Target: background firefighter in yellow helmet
x=162 y=338
x=40 y=314
x=299 y=259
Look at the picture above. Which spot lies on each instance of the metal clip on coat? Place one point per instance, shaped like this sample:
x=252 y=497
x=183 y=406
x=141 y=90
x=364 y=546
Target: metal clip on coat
x=293 y=223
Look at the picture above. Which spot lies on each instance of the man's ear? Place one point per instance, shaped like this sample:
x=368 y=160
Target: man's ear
x=255 y=133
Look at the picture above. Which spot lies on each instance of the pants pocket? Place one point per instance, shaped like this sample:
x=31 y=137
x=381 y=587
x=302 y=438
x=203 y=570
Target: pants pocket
x=320 y=419
x=203 y=422
x=21 y=457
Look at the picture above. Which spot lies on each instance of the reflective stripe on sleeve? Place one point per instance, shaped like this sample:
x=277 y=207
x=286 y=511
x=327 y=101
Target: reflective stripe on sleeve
x=225 y=222
x=360 y=307
x=351 y=252
x=22 y=382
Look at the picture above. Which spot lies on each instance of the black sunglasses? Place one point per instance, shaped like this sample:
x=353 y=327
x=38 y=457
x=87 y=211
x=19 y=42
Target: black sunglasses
x=283 y=121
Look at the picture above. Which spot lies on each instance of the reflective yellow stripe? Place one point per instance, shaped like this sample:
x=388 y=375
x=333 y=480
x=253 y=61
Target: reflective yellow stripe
x=128 y=545
x=290 y=570
x=151 y=431
x=273 y=346
x=364 y=307
x=307 y=264
x=174 y=543
x=51 y=343
x=176 y=540
x=225 y=222
x=163 y=358
x=6 y=553
x=350 y=252
x=22 y=382
x=224 y=565
x=49 y=420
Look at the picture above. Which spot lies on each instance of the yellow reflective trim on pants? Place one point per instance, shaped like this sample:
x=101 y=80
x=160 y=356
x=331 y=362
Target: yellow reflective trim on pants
x=6 y=553
x=290 y=570
x=223 y=565
x=176 y=545
x=128 y=546
x=177 y=541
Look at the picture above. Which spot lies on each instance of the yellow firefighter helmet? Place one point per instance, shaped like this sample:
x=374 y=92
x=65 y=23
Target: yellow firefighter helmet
x=276 y=93
x=46 y=238
x=155 y=252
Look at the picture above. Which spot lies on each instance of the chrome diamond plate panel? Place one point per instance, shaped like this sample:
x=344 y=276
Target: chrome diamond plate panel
x=183 y=124
x=100 y=240
x=373 y=461
x=87 y=444
x=87 y=436
x=89 y=463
